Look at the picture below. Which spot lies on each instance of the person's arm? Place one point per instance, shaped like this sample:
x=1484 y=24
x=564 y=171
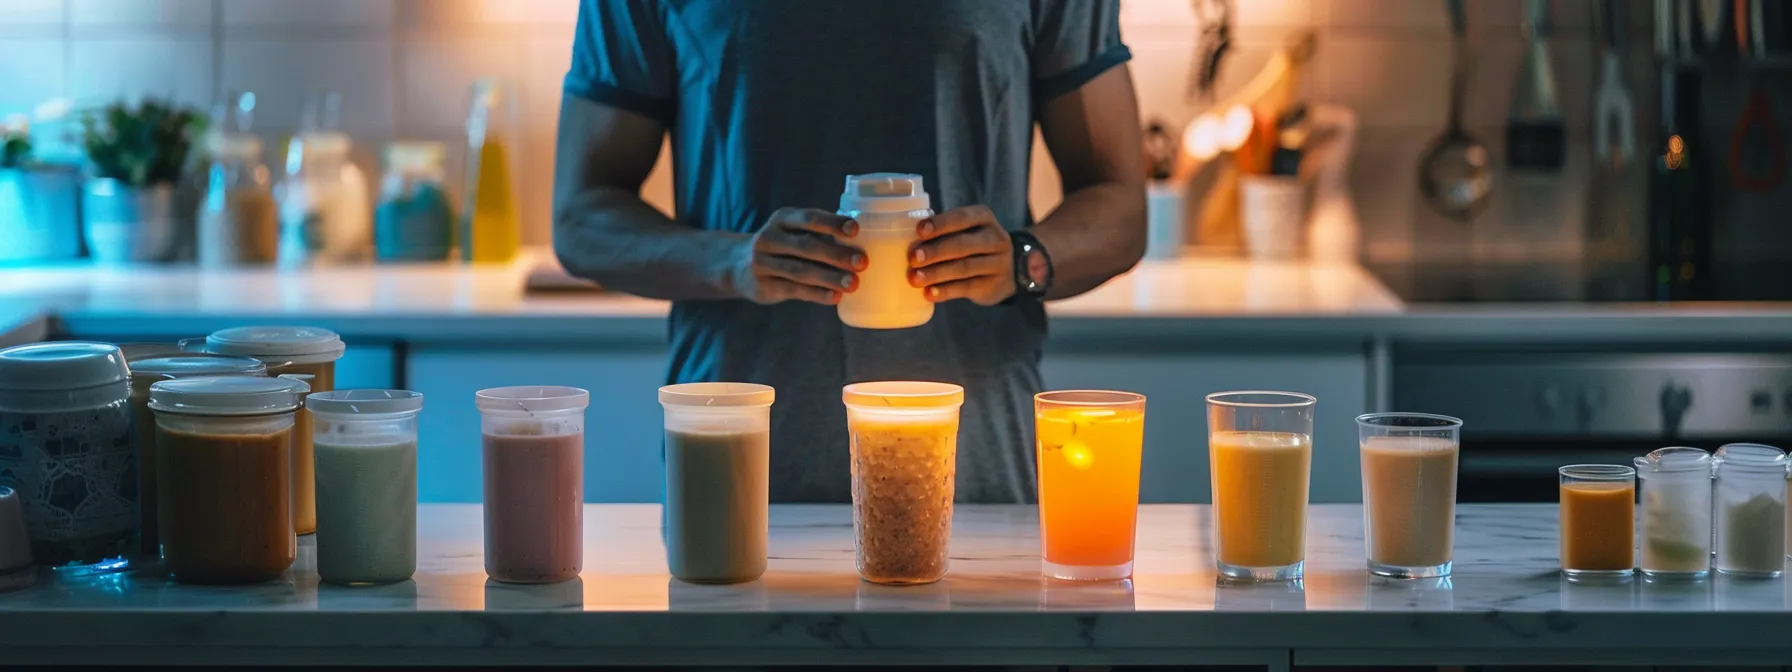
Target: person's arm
x=1098 y=232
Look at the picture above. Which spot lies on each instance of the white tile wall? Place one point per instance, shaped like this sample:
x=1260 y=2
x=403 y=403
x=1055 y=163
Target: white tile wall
x=403 y=67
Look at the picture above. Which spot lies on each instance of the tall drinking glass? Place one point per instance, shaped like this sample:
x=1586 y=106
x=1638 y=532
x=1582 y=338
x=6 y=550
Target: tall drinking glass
x=1598 y=512
x=904 y=443
x=1260 y=451
x=1409 y=492
x=1090 y=443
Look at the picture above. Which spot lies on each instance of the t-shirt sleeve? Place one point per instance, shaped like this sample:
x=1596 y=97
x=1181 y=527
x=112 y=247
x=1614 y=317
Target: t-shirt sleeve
x=622 y=57
x=1074 y=41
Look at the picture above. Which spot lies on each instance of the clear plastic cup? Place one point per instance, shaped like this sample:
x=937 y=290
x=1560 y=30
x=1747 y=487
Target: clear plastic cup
x=1751 y=510
x=1676 y=520
x=1409 y=492
x=1090 y=444
x=718 y=473
x=365 y=443
x=534 y=451
x=1598 y=519
x=1260 y=451
x=904 y=457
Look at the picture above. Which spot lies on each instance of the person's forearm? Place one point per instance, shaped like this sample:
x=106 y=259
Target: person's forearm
x=1097 y=233
x=610 y=236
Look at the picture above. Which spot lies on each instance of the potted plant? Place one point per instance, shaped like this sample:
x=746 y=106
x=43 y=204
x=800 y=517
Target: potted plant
x=136 y=156
x=37 y=200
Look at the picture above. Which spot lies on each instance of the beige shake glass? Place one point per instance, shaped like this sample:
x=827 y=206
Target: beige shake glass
x=1409 y=492
x=1260 y=451
x=904 y=457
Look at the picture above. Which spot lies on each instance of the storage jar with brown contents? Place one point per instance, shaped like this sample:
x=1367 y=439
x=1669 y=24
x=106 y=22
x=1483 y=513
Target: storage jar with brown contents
x=306 y=351
x=224 y=446
x=904 y=456
x=147 y=372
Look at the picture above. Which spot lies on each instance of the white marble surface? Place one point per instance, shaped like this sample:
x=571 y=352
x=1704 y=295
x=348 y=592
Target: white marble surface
x=810 y=607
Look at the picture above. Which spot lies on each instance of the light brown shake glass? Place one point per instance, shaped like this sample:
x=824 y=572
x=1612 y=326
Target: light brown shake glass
x=1409 y=492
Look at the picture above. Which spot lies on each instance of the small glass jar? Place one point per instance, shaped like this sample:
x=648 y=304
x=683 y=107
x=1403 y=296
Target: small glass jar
x=147 y=372
x=224 y=447
x=324 y=208
x=66 y=447
x=904 y=443
x=414 y=220
x=1598 y=520
x=1676 y=520
x=365 y=445
x=238 y=219
x=1751 y=510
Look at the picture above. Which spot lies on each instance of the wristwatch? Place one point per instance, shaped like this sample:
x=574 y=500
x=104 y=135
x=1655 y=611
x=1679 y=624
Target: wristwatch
x=1032 y=266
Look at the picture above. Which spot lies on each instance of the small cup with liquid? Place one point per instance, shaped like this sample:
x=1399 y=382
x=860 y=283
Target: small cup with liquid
x=1598 y=526
x=1409 y=492
x=1260 y=449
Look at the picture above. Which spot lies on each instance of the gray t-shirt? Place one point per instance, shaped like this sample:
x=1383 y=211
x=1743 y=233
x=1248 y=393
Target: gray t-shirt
x=771 y=103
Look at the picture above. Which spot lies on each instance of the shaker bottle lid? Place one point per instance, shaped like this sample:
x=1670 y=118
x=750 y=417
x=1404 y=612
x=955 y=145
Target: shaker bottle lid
x=531 y=399
x=903 y=394
x=227 y=395
x=1674 y=459
x=1751 y=456
x=884 y=192
x=306 y=345
x=717 y=395
x=189 y=364
x=61 y=365
x=365 y=402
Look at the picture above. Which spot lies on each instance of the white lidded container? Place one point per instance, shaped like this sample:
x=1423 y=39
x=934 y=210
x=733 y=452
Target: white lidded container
x=364 y=445
x=718 y=476
x=888 y=207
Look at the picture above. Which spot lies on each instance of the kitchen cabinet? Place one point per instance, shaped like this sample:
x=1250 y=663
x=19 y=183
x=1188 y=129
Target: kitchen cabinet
x=623 y=429
x=1176 y=385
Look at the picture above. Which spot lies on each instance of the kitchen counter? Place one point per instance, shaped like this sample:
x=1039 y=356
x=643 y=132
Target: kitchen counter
x=1506 y=604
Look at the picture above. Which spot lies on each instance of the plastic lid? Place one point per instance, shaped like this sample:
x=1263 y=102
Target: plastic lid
x=1674 y=459
x=227 y=395
x=531 y=399
x=1751 y=456
x=365 y=402
x=717 y=395
x=275 y=342
x=61 y=365
x=189 y=364
x=884 y=192
x=903 y=394
x=323 y=142
x=415 y=153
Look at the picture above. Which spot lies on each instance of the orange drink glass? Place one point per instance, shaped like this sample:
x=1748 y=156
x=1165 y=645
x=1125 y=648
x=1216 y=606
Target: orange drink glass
x=1598 y=512
x=1260 y=453
x=1090 y=443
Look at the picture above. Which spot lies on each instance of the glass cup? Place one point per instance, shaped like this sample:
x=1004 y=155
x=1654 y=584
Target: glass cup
x=1750 y=498
x=1676 y=520
x=365 y=445
x=1090 y=444
x=534 y=451
x=1409 y=492
x=904 y=457
x=1260 y=452
x=718 y=474
x=1598 y=511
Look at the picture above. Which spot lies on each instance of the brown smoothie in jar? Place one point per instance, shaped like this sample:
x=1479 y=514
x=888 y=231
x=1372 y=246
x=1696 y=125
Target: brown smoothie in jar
x=226 y=505
x=304 y=477
x=144 y=373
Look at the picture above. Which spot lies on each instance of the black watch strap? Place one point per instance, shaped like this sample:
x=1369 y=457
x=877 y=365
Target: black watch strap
x=1025 y=244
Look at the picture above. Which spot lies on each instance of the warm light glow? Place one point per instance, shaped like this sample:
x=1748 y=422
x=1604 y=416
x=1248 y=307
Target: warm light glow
x=1237 y=128
x=1202 y=140
x=1676 y=155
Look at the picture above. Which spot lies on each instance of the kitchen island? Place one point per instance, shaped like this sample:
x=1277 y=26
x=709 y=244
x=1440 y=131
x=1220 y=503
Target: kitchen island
x=1505 y=604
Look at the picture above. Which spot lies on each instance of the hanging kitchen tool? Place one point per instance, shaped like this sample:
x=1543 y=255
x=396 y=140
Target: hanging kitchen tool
x=1160 y=150
x=1454 y=175
x=1536 y=137
x=1213 y=19
x=1614 y=123
x=1757 y=158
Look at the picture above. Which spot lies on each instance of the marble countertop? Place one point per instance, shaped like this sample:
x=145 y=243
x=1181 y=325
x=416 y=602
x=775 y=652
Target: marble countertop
x=1505 y=603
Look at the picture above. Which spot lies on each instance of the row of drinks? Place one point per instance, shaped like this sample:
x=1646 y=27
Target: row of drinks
x=1700 y=511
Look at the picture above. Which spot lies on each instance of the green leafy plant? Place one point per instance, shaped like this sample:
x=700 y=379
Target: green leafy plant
x=143 y=145
x=15 y=142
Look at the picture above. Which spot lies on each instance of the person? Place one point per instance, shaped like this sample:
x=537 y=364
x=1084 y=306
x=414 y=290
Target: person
x=770 y=104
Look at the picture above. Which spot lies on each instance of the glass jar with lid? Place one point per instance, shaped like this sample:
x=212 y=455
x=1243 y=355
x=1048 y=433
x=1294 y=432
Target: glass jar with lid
x=237 y=215
x=66 y=447
x=147 y=372
x=1751 y=510
x=1676 y=520
x=414 y=220
x=325 y=212
x=225 y=450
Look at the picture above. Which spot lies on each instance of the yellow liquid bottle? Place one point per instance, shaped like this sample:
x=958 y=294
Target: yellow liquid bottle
x=491 y=228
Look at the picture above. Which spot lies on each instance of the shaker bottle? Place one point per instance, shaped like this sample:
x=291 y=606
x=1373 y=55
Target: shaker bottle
x=534 y=448
x=225 y=476
x=1409 y=492
x=1598 y=519
x=66 y=447
x=888 y=207
x=147 y=372
x=1091 y=443
x=298 y=350
x=1676 y=520
x=904 y=443
x=1260 y=453
x=365 y=444
x=1751 y=510
x=718 y=466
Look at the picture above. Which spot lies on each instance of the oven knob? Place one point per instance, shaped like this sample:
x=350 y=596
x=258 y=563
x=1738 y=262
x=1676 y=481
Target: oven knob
x=1760 y=401
x=1589 y=402
x=1675 y=400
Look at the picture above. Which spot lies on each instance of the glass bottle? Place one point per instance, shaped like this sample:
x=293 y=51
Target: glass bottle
x=325 y=213
x=490 y=228
x=414 y=220
x=237 y=223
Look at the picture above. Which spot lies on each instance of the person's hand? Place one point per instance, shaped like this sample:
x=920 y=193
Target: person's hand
x=799 y=255
x=964 y=253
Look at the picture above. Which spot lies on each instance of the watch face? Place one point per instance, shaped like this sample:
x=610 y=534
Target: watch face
x=1037 y=268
